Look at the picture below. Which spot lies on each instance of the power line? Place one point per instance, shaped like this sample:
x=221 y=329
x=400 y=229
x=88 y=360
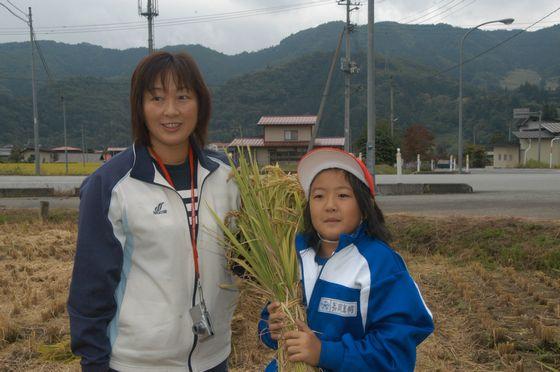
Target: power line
x=458 y=10
x=15 y=6
x=14 y=14
x=437 y=11
x=449 y=9
x=497 y=45
x=43 y=61
x=171 y=21
x=420 y=12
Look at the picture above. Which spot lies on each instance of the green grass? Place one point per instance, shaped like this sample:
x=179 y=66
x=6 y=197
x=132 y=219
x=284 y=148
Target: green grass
x=518 y=77
x=537 y=164
x=492 y=242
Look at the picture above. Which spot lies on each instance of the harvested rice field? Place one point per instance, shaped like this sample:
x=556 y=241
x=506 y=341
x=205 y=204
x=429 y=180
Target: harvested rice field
x=493 y=286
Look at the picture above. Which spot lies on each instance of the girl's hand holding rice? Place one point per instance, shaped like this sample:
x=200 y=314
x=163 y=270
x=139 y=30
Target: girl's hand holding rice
x=303 y=345
x=275 y=320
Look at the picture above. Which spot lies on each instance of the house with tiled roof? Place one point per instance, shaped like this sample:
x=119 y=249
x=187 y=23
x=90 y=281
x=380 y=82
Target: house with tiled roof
x=285 y=139
x=530 y=133
x=539 y=136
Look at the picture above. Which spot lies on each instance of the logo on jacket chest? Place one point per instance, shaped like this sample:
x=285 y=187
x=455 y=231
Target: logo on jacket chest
x=159 y=209
x=338 y=307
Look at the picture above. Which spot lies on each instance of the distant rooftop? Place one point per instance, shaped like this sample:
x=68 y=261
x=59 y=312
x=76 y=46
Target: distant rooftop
x=259 y=142
x=532 y=134
x=288 y=120
x=67 y=148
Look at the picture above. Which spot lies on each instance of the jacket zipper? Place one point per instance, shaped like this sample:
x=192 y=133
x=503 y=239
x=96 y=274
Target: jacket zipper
x=193 y=302
x=195 y=342
x=318 y=277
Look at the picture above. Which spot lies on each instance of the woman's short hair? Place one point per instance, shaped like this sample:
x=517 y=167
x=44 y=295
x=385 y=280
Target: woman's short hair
x=182 y=68
x=371 y=214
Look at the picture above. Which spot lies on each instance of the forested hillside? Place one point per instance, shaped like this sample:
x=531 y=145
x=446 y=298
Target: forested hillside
x=288 y=79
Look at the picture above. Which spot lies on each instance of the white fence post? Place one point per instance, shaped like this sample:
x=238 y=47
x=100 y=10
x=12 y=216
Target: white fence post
x=399 y=162
x=418 y=163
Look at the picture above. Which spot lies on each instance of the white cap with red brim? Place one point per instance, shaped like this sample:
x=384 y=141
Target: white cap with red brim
x=316 y=161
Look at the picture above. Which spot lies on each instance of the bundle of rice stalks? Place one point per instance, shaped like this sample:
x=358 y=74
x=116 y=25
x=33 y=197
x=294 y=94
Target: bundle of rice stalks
x=263 y=241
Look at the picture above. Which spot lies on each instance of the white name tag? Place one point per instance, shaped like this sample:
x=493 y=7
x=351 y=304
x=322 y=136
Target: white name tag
x=338 y=307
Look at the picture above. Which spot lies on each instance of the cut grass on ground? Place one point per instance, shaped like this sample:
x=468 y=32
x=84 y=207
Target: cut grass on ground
x=493 y=286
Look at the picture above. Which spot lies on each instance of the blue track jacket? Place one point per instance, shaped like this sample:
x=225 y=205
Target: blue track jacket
x=363 y=305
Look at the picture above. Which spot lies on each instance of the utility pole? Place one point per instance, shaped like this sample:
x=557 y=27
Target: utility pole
x=392 y=115
x=65 y=141
x=349 y=67
x=539 y=142
x=83 y=147
x=150 y=12
x=34 y=92
x=370 y=93
x=315 y=129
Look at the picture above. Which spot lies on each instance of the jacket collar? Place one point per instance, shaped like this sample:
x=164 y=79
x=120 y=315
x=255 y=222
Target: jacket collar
x=144 y=169
x=343 y=241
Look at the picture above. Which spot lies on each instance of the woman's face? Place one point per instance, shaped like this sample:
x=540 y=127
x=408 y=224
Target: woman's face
x=333 y=205
x=171 y=115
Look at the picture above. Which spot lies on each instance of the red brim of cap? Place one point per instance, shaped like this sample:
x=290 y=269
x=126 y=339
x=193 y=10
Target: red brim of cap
x=323 y=158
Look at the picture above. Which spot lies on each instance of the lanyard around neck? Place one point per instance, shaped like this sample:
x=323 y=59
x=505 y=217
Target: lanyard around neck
x=193 y=204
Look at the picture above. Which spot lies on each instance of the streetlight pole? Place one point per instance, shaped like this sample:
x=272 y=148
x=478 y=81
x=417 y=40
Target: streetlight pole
x=505 y=21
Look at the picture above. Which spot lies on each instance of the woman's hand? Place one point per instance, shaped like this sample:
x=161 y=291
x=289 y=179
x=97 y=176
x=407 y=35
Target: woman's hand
x=303 y=345
x=275 y=320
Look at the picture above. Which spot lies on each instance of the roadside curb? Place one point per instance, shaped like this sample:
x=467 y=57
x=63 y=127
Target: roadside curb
x=36 y=192
x=423 y=188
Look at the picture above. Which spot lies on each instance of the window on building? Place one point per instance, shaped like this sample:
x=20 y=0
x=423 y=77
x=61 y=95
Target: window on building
x=290 y=135
x=510 y=157
x=286 y=154
x=499 y=157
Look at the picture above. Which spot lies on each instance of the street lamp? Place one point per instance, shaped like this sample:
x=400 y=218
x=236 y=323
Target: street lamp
x=505 y=21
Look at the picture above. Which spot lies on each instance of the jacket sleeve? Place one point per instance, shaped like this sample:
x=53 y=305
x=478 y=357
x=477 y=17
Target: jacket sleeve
x=264 y=334
x=397 y=321
x=96 y=274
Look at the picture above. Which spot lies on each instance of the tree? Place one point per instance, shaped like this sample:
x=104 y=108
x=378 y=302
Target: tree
x=16 y=155
x=385 y=146
x=442 y=151
x=417 y=140
x=477 y=155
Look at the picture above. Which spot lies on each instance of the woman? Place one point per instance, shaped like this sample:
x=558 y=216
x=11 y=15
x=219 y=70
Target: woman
x=147 y=291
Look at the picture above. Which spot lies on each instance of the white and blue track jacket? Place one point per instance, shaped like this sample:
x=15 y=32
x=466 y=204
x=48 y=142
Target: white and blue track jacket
x=134 y=282
x=363 y=305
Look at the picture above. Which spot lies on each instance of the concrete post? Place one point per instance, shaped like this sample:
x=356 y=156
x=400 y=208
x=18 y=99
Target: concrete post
x=467 y=162
x=432 y=165
x=418 y=163
x=44 y=210
x=399 y=162
x=451 y=163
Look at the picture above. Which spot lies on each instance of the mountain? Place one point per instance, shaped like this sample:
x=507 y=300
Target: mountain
x=289 y=78
x=435 y=46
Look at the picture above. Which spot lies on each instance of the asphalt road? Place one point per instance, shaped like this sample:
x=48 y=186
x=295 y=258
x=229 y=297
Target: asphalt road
x=513 y=193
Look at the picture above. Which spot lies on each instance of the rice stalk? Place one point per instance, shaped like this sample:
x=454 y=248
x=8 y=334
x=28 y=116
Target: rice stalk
x=262 y=242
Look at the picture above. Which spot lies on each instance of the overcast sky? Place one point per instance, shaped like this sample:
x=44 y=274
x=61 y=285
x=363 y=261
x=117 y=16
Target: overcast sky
x=234 y=26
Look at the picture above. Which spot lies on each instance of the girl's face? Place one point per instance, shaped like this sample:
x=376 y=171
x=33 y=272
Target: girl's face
x=334 y=208
x=171 y=115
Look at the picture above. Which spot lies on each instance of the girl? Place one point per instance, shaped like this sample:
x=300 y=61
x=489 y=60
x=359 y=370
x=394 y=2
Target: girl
x=145 y=292
x=364 y=311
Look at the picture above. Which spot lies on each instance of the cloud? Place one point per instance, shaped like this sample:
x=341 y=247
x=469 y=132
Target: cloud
x=234 y=34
